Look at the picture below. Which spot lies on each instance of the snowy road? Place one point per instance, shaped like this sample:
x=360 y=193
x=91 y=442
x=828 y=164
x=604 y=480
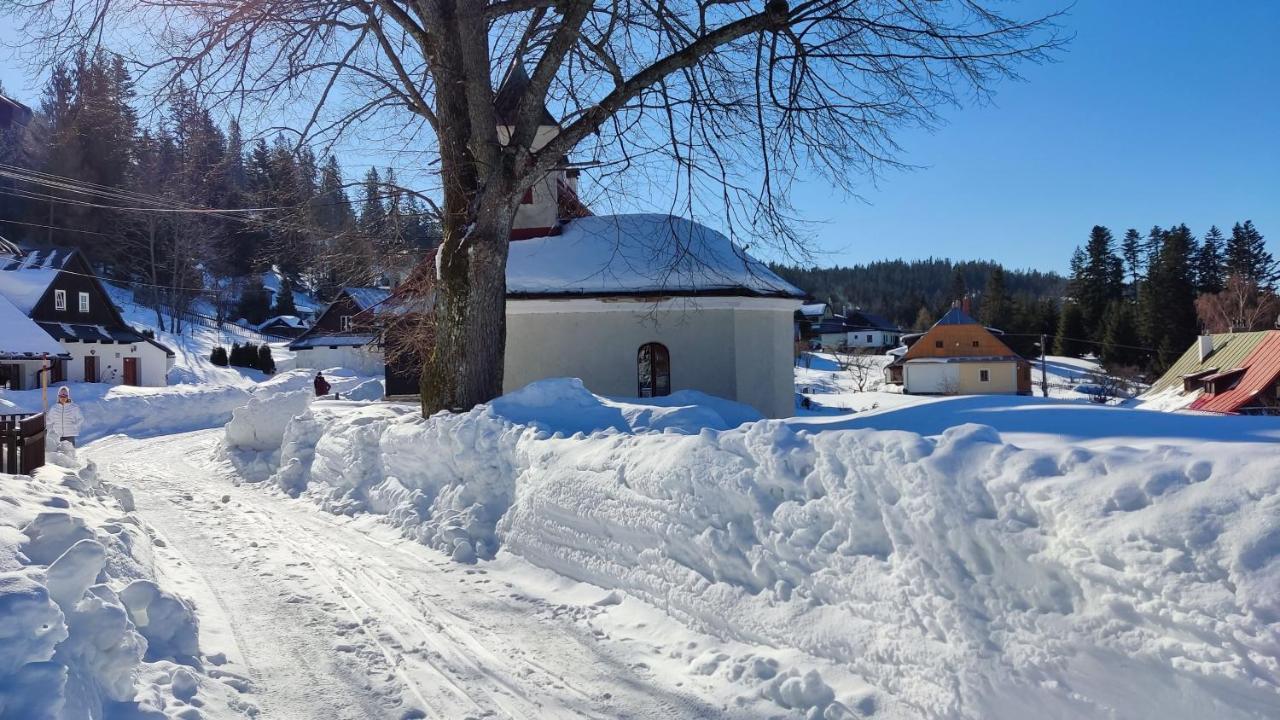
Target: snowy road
x=323 y=616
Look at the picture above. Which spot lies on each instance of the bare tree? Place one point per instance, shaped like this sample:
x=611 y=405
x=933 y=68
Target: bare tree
x=859 y=365
x=1241 y=306
x=724 y=101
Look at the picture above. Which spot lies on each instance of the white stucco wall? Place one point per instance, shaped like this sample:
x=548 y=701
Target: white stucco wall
x=931 y=377
x=363 y=360
x=736 y=348
x=153 y=363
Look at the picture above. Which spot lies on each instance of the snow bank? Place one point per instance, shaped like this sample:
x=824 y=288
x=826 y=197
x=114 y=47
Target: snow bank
x=955 y=575
x=566 y=406
x=78 y=609
x=142 y=411
x=260 y=423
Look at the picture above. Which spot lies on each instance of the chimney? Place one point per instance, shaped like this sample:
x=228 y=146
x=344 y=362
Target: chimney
x=964 y=305
x=1205 y=343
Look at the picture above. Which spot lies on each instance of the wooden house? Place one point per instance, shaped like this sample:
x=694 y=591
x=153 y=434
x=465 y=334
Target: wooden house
x=57 y=290
x=958 y=356
x=1227 y=373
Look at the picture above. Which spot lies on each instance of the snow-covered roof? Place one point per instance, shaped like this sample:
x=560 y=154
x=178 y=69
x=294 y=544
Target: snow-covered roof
x=292 y=321
x=24 y=280
x=366 y=297
x=20 y=336
x=313 y=341
x=634 y=254
x=813 y=309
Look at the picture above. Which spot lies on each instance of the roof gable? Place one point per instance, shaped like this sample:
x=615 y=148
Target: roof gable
x=507 y=99
x=956 y=316
x=959 y=340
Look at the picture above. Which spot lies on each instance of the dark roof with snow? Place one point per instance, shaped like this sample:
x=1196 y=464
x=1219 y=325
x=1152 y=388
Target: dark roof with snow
x=507 y=99
x=956 y=316
x=865 y=320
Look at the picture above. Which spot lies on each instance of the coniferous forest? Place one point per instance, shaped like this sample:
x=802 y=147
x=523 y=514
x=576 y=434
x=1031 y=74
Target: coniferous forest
x=218 y=205
x=1137 y=302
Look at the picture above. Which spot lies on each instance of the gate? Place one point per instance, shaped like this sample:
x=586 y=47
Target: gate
x=21 y=443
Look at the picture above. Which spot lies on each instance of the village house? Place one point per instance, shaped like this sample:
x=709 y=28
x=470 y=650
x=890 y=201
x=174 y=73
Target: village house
x=634 y=305
x=1228 y=373
x=283 y=326
x=342 y=335
x=56 y=290
x=821 y=328
x=958 y=356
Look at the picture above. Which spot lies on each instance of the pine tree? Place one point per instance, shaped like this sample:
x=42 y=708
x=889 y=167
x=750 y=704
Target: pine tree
x=255 y=302
x=1071 y=332
x=959 y=288
x=1100 y=280
x=996 y=310
x=284 y=300
x=1120 y=336
x=1247 y=255
x=373 y=214
x=1209 y=264
x=1131 y=251
x=1169 y=316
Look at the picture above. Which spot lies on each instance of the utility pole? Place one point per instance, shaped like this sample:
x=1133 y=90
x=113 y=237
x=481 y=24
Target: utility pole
x=1044 y=372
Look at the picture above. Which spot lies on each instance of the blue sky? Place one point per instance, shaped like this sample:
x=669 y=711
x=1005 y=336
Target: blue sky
x=1158 y=112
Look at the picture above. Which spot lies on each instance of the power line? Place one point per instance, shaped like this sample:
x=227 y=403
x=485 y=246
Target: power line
x=1082 y=340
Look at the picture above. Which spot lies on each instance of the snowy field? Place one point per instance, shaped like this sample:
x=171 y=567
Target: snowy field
x=557 y=554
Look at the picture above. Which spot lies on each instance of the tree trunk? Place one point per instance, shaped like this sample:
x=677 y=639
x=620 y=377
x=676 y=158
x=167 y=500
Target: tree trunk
x=466 y=365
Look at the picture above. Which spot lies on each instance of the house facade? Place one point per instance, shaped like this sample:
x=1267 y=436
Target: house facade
x=342 y=336
x=958 y=356
x=57 y=290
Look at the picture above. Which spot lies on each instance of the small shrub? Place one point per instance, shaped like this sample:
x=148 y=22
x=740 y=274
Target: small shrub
x=219 y=357
x=266 y=363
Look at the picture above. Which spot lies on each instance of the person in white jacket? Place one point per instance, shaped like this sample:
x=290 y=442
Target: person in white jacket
x=64 y=418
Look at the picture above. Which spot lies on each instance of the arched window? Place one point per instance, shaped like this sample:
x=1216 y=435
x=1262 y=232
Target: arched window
x=653 y=364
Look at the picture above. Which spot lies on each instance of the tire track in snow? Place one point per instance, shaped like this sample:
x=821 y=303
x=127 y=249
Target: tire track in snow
x=478 y=652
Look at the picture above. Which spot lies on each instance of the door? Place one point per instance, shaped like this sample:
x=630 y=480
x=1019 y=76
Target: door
x=90 y=368
x=653 y=364
x=131 y=371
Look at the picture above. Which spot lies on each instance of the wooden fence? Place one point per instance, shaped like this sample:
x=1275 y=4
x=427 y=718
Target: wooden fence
x=21 y=443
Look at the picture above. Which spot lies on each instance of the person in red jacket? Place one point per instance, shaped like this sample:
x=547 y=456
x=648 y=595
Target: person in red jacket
x=322 y=385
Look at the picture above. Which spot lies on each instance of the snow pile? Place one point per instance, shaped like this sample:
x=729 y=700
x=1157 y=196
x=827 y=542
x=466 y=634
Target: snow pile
x=956 y=575
x=260 y=424
x=78 y=609
x=564 y=405
x=141 y=411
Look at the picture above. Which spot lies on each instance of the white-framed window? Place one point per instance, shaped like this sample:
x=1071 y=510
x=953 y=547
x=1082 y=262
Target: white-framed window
x=868 y=338
x=59 y=299
x=84 y=302
x=984 y=376
x=344 y=323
